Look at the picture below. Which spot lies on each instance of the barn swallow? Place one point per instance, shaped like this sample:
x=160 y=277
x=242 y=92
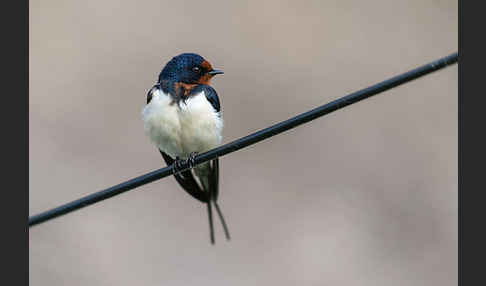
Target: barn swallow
x=183 y=118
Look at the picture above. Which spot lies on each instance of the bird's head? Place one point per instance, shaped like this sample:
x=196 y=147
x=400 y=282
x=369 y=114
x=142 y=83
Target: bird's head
x=188 y=69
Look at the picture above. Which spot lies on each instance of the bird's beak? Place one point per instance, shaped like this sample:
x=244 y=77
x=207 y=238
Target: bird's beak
x=215 y=72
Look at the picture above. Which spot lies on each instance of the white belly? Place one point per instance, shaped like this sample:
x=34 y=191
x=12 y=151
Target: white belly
x=193 y=127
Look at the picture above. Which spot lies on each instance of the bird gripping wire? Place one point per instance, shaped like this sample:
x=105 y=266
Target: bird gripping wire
x=247 y=140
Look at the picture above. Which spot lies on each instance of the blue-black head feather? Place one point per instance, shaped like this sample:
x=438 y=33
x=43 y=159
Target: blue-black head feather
x=185 y=71
x=183 y=68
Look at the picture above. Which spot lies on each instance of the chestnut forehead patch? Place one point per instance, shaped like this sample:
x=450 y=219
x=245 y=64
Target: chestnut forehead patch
x=206 y=65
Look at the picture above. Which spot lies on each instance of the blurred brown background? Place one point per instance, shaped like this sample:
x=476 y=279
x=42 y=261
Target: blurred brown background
x=364 y=196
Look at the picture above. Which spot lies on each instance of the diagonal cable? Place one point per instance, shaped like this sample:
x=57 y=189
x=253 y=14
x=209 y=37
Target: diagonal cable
x=248 y=140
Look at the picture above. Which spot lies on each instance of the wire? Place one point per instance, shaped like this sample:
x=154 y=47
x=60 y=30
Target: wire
x=247 y=140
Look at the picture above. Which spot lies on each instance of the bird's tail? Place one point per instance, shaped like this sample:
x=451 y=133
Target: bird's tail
x=209 y=177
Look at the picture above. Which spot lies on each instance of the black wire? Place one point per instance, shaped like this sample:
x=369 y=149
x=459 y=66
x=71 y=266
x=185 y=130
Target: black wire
x=248 y=140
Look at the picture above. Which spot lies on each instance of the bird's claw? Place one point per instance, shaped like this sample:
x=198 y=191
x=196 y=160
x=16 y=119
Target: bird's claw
x=191 y=159
x=177 y=165
x=178 y=162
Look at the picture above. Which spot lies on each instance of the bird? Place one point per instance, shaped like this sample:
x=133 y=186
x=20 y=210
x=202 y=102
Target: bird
x=182 y=118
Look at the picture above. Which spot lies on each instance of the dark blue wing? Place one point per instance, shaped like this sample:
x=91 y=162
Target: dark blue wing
x=210 y=93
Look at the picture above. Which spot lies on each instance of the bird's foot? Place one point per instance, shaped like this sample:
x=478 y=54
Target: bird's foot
x=177 y=166
x=191 y=159
x=178 y=162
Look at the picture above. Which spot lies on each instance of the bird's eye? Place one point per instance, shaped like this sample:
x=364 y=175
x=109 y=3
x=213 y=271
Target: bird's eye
x=196 y=69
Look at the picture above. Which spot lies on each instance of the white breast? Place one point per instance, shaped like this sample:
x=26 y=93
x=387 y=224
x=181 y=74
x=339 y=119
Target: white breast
x=194 y=126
